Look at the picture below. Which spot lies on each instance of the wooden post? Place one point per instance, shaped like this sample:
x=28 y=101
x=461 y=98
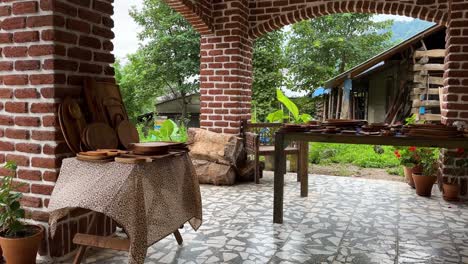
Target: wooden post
x=304 y=167
x=280 y=169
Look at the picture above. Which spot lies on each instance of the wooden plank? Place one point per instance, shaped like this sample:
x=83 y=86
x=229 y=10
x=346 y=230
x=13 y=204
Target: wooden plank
x=428 y=67
x=429 y=117
x=432 y=80
x=102 y=242
x=451 y=143
x=435 y=53
x=427 y=103
x=178 y=237
x=418 y=91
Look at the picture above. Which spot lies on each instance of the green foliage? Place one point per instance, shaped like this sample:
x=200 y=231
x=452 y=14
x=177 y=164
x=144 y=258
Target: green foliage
x=278 y=116
x=408 y=156
x=268 y=62
x=428 y=158
x=11 y=211
x=359 y=155
x=169 y=131
x=411 y=120
x=323 y=47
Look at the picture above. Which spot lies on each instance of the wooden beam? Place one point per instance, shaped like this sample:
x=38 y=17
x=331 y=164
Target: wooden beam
x=419 y=91
x=102 y=242
x=428 y=67
x=428 y=103
x=432 y=80
x=435 y=53
x=429 y=117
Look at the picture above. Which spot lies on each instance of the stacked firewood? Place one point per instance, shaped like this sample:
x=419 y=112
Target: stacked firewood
x=218 y=159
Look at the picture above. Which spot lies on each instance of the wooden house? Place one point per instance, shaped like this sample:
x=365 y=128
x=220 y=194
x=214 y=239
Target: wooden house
x=390 y=86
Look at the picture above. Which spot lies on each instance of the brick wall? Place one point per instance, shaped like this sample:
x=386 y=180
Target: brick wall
x=455 y=99
x=47 y=47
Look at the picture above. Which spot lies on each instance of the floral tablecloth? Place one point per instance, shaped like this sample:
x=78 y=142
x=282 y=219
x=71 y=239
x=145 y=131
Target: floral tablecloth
x=150 y=200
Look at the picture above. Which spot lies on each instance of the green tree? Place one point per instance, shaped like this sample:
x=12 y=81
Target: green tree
x=169 y=53
x=321 y=48
x=268 y=64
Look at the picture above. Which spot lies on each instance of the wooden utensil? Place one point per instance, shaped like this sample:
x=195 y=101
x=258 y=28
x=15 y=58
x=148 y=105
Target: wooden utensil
x=152 y=148
x=100 y=136
x=127 y=134
x=94 y=158
x=70 y=128
x=94 y=153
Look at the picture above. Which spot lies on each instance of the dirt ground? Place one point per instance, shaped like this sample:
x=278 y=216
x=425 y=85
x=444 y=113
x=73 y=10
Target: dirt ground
x=348 y=170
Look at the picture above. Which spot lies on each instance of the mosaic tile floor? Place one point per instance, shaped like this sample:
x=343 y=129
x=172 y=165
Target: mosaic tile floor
x=344 y=220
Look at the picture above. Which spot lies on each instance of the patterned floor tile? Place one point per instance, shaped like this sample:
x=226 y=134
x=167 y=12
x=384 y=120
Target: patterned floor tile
x=344 y=220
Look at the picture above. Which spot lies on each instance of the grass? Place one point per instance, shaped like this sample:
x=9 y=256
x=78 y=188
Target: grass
x=365 y=156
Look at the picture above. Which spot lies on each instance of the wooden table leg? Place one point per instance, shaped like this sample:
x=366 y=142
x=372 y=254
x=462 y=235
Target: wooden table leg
x=178 y=237
x=280 y=169
x=304 y=168
x=82 y=249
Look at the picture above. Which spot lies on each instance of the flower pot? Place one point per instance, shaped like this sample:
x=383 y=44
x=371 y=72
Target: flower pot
x=417 y=169
x=424 y=184
x=22 y=250
x=451 y=192
x=409 y=176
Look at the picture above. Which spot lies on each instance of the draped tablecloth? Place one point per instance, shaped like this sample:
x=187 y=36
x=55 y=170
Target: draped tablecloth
x=150 y=200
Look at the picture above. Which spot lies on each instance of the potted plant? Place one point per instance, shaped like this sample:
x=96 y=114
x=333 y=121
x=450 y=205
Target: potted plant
x=428 y=162
x=408 y=158
x=18 y=241
x=450 y=187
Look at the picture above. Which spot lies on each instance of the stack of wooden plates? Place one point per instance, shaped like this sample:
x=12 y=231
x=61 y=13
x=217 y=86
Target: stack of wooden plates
x=155 y=148
x=432 y=131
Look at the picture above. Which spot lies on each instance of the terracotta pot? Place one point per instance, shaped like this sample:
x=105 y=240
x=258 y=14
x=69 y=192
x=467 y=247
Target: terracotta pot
x=451 y=192
x=424 y=184
x=409 y=176
x=22 y=250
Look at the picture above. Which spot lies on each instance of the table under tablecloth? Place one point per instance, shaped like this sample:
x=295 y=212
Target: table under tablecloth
x=150 y=200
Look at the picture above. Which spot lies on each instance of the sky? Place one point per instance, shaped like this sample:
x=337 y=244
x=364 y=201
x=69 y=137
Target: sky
x=126 y=30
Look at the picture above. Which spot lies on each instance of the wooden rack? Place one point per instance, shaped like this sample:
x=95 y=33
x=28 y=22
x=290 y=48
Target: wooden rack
x=428 y=82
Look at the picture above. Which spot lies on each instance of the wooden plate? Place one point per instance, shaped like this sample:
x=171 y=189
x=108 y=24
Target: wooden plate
x=71 y=127
x=127 y=134
x=100 y=136
x=93 y=158
x=94 y=153
x=152 y=148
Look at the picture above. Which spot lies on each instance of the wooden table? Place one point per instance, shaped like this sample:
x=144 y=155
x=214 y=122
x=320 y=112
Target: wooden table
x=283 y=138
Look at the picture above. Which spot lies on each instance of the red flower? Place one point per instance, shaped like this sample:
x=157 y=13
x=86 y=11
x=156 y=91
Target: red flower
x=412 y=149
x=397 y=154
x=460 y=151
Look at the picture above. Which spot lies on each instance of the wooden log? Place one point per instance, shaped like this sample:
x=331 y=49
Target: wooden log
x=428 y=67
x=429 y=117
x=435 y=53
x=303 y=168
x=278 y=186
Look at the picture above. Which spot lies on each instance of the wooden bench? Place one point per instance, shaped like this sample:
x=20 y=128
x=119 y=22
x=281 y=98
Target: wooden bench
x=259 y=140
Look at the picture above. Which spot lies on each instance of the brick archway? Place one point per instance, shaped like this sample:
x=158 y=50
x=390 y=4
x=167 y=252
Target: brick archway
x=335 y=7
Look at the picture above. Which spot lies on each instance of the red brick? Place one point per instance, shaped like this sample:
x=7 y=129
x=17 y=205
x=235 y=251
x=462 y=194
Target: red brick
x=27 y=65
x=28 y=148
x=27 y=121
x=78 y=25
x=16 y=133
x=15 y=79
x=79 y=53
x=20 y=160
x=26 y=36
x=103 y=32
x=44 y=21
x=89 y=15
x=16 y=107
x=6 y=38
x=6 y=93
x=5 y=11
x=13 y=23
x=90 y=68
x=61 y=148
x=50 y=121
x=6 y=121
x=59 y=64
x=15 y=51
x=6 y=146
x=42 y=189
x=47 y=135
x=103 y=6
x=44 y=108
x=47 y=163
x=47 y=79
x=43 y=50
x=90 y=42
x=23 y=187
x=50 y=176
x=29 y=201
x=59 y=36
x=25 y=7
x=104 y=57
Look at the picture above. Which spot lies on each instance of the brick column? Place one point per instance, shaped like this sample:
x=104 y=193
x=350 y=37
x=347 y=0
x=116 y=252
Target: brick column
x=226 y=68
x=47 y=47
x=455 y=93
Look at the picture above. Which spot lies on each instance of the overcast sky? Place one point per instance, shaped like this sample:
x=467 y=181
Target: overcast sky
x=126 y=30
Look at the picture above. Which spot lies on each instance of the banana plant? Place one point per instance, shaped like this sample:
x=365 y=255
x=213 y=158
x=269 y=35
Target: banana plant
x=279 y=116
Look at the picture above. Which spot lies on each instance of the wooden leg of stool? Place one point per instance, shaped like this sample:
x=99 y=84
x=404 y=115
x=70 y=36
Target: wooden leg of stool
x=178 y=237
x=82 y=249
